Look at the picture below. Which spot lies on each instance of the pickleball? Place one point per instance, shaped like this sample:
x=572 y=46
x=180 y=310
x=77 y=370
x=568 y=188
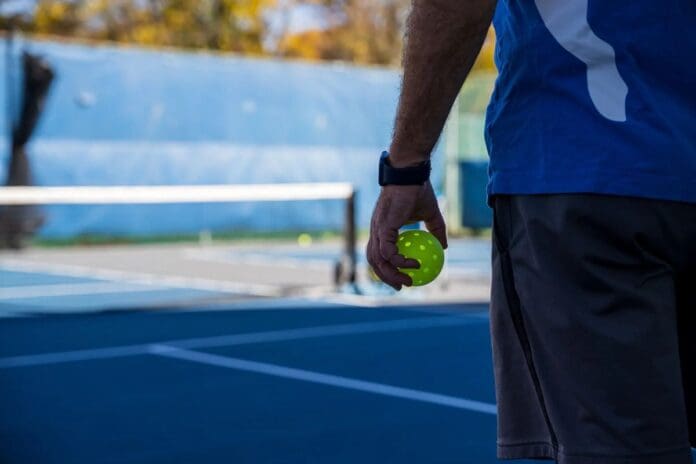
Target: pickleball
x=424 y=248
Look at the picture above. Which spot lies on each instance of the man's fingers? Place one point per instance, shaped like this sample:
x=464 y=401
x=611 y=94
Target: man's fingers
x=384 y=270
x=379 y=269
x=403 y=262
x=388 y=273
x=390 y=252
x=391 y=276
x=377 y=272
x=393 y=218
x=384 y=279
x=387 y=237
x=436 y=226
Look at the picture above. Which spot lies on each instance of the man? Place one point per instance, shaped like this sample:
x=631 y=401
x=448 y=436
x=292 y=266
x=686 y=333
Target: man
x=592 y=139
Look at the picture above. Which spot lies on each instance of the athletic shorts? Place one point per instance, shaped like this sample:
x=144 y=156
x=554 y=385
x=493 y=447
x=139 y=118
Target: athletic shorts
x=593 y=321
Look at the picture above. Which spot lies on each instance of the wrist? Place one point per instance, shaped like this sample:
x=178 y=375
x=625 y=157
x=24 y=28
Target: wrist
x=400 y=158
x=417 y=174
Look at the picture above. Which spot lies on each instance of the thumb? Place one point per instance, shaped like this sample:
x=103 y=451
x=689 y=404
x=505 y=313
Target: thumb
x=435 y=224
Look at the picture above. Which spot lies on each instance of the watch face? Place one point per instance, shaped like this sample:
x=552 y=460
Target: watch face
x=383 y=166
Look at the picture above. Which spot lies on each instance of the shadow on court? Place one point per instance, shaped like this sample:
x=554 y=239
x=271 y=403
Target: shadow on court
x=323 y=385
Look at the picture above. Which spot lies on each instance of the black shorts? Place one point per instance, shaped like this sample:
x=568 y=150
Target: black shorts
x=593 y=320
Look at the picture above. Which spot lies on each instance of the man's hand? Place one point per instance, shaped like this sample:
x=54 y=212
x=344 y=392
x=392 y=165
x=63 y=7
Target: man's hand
x=396 y=207
x=442 y=41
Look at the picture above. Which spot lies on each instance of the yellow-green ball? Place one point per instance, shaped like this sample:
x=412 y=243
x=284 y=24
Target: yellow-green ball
x=424 y=248
x=304 y=240
x=372 y=274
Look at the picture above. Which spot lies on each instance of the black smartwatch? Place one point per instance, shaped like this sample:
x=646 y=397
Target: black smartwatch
x=412 y=175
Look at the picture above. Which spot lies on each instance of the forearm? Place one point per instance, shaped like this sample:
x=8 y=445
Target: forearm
x=444 y=38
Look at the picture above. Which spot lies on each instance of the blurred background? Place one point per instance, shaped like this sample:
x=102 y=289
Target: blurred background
x=132 y=92
x=263 y=121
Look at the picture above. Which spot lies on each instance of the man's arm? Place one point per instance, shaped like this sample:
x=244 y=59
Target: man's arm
x=443 y=40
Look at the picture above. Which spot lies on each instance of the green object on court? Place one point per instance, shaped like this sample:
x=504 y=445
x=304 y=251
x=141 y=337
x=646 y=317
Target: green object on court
x=427 y=250
x=372 y=274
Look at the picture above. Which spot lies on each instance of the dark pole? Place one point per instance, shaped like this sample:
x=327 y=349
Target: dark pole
x=7 y=237
x=9 y=84
x=350 y=265
x=352 y=239
x=19 y=223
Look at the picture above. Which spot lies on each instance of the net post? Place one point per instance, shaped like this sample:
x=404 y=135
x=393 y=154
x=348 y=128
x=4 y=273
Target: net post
x=349 y=265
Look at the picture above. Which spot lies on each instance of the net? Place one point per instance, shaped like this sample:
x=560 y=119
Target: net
x=220 y=265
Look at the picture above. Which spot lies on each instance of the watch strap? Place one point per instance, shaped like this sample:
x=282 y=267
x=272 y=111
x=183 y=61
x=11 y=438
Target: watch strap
x=412 y=175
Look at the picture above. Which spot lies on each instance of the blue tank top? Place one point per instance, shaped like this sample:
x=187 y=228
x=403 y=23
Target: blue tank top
x=594 y=96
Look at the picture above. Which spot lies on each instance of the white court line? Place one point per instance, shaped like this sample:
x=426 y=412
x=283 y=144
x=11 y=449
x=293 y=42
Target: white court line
x=321 y=331
x=53 y=290
x=261 y=259
x=45 y=359
x=235 y=340
x=188 y=283
x=323 y=379
x=139 y=278
x=172 y=282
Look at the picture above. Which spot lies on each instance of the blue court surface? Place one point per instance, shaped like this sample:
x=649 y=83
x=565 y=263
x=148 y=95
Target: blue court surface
x=281 y=383
x=269 y=381
x=34 y=293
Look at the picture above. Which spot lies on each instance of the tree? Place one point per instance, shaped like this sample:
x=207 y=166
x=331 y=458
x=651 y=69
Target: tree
x=226 y=25
x=358 y=31
x=363 y=31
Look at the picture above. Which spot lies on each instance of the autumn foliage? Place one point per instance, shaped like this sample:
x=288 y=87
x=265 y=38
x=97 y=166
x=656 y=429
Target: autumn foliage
x=357 y=31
